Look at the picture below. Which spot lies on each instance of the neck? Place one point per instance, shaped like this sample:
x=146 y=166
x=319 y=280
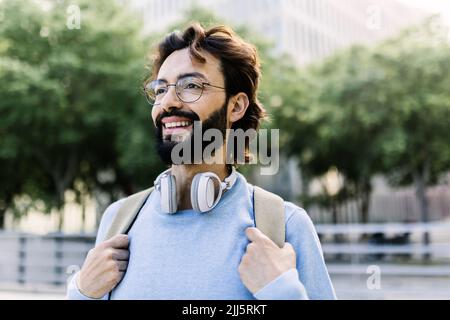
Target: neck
x=184 y=175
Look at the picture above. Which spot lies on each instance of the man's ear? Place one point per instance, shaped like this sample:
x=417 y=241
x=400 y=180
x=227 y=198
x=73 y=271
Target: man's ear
x=239 y=106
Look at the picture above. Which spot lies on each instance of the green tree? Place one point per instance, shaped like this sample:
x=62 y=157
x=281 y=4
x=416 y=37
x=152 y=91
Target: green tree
x=417 y=63
x=375 y=110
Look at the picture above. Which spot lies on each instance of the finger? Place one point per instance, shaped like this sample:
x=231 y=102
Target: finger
x=119 y=241
x=121 y=254
x=255 y=235
x=122 y=265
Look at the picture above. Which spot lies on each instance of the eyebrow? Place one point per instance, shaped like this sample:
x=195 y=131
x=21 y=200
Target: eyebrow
x=188 y=74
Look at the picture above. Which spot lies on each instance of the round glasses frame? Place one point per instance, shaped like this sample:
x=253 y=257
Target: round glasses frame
x=178 y=90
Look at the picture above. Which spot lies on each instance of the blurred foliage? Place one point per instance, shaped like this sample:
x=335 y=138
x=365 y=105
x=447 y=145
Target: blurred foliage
x=417 y=75
x=380 y=110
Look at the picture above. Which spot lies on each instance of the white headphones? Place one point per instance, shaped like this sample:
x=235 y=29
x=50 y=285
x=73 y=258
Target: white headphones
x=203 y=190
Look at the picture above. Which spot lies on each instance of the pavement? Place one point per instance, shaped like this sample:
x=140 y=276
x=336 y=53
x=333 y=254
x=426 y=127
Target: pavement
x=362 y=287
x=347 y=287
x=14 y=291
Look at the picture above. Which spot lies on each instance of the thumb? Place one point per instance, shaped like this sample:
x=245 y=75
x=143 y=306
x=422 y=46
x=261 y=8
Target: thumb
x=288 y=248
x=255 y=235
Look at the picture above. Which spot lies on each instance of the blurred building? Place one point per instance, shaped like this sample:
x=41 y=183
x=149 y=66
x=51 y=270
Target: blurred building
x=306 y=29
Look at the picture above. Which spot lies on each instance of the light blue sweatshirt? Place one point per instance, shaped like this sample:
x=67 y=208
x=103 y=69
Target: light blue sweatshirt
x=191 y=255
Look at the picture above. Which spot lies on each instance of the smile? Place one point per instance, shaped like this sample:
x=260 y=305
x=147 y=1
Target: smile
x=177 y=124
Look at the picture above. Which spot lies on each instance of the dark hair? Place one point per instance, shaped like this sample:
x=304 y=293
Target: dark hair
x=239 y=64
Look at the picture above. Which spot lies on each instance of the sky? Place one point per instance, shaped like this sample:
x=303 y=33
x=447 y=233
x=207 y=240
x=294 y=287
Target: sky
x=433 y=6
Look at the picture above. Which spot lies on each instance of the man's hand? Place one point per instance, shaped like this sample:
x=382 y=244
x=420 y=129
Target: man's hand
x=264 y=260
x=104 y=267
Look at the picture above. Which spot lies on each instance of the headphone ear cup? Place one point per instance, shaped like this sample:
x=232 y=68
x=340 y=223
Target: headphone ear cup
x=168 y=189
x=203 y=195
x=195 y=191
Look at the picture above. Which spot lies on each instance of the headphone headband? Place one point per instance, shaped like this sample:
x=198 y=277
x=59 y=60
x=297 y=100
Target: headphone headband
x=158 y=179
x=231 y=179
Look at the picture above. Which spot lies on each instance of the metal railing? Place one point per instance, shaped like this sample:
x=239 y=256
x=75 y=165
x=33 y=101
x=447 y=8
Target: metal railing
x=48 y=259
x=397 y=248
x=52 y=259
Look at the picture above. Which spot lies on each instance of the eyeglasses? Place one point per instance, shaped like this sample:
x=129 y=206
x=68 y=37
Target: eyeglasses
x=187 y=89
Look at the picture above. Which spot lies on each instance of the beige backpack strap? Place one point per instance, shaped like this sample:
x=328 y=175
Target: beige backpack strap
x=127 y=214
x=269 y=215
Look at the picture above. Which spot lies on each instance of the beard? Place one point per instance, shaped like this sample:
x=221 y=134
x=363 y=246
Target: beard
x=165 y=145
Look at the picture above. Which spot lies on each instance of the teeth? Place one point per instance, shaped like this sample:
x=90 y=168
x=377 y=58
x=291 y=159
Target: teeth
x=177 y=124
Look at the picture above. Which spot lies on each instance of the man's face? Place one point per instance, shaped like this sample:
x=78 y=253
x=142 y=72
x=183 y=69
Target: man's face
x=173 y=118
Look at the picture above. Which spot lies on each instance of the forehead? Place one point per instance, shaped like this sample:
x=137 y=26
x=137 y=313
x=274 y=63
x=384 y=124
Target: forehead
x=180 y=62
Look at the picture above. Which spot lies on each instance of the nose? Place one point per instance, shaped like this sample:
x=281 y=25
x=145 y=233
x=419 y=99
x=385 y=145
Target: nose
x=170 y=100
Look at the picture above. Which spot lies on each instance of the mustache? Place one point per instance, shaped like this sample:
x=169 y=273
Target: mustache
x=180 y=113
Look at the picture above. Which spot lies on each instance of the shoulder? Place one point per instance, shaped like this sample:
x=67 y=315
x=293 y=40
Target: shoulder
x=295 y=214
x=298 y=223
x=111 y=211
x=108 y=217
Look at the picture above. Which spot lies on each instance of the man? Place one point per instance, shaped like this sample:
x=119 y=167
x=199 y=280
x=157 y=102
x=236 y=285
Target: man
x=210 y=76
